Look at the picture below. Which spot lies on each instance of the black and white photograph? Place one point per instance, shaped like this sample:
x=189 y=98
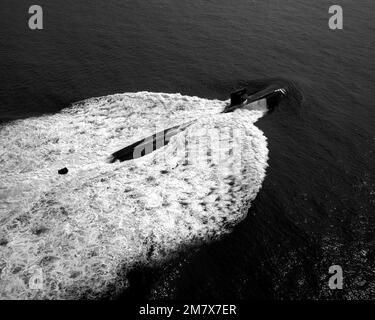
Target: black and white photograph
x=207 y=151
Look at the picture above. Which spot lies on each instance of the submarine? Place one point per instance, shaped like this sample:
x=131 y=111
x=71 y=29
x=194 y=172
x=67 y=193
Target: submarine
x=238 y=99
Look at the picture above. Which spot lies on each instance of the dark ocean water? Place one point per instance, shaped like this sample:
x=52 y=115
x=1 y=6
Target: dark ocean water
x=316 y=207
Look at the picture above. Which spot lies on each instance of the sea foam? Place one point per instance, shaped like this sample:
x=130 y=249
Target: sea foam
x=77 y=235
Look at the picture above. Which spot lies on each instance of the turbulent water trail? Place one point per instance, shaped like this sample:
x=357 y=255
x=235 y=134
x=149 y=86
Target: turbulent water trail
x=76 y=235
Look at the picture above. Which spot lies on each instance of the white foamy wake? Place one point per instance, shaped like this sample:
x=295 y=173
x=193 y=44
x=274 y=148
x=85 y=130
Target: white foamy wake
x=76 y=235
